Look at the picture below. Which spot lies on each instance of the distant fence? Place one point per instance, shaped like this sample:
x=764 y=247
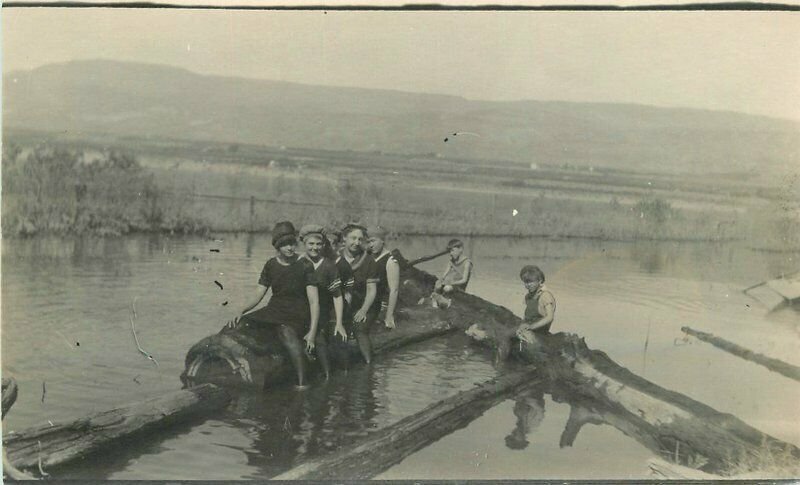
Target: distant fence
x=258 y=213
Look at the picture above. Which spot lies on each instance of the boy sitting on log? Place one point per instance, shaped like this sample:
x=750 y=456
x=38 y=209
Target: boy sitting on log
x=540 y=305
x=455 y=276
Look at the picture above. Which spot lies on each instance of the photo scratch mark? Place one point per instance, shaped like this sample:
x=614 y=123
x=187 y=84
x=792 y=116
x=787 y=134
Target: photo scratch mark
x=136 y=338
x=219 y=284
x=214 y=250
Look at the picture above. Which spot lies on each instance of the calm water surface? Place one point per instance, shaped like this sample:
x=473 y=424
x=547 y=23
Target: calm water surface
x=67 y=304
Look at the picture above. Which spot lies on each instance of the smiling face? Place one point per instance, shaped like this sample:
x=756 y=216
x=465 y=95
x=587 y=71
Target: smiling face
x=376 y=245
x=313 y=244
x=532 y=285
x=287 y=250
x=354 y=241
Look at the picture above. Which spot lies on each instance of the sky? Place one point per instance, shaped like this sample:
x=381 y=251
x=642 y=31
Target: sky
x=739 y=61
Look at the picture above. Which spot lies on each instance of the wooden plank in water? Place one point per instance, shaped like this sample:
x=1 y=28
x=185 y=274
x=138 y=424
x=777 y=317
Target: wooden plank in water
x=775 y=365
x=61 y=443
x=389 y=446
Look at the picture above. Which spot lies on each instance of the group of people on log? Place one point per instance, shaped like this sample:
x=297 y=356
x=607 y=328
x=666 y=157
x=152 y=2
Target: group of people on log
x=345 y=281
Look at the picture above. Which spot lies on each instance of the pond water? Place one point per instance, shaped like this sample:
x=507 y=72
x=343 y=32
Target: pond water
x=66 y=338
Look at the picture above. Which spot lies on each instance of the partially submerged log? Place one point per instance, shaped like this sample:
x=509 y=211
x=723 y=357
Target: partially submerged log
x=775 y=365
x=9 y=398
x=389 y=446
x=253 y=356
x=668 y=422
x=61 y=443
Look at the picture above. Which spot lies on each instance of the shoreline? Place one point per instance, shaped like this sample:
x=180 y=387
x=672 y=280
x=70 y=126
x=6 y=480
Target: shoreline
x=443 y=234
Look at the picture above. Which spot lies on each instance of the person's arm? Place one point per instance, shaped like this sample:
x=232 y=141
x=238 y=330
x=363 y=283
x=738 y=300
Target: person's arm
x=338 y=310
x=548 y=310
x=372 y=290
x=313 y=303
x=393 y=279
x=255 y=300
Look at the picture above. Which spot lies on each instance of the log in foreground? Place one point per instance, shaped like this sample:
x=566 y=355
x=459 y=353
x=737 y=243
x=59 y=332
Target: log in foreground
x=671 y=424
x=389 y=446
x=775 y=365
x=62 y=443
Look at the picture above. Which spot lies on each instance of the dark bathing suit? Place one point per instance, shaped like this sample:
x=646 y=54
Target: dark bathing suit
x=329 y=285
x=289 y=303
x=365 y=270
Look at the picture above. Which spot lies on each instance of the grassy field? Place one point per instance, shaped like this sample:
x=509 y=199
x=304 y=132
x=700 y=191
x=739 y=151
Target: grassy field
x=244 y=188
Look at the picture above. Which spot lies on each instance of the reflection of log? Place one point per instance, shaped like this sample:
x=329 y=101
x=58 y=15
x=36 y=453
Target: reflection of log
x=775 y=365
x=674 y=424
x=392 y=444
x=65 y=442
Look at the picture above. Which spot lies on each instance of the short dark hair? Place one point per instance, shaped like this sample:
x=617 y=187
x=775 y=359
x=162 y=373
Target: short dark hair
x=455 y=243
x=531 y=273
x=352 y=227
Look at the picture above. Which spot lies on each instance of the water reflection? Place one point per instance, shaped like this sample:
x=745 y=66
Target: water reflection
x=529 y=410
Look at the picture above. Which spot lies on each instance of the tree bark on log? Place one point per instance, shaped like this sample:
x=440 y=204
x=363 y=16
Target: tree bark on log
x=62 y=443
x=775 y=365
x=671 y=423
x=392 y=444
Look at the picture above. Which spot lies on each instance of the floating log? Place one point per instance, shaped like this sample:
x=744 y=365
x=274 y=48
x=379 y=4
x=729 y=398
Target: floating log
x=390 y=445
x=671 y=423
x=9 y=398
x=253 y=356
x=775 y=365
x=62 y=443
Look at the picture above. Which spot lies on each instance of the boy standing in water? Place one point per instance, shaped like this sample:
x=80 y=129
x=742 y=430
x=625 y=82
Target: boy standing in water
x=388 y=274
x=540 y=305
x=455 y=276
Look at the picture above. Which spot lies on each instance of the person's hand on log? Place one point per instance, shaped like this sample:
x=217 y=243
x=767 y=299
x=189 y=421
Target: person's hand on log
x=360 y=315
x=339 y=330
x=309 y=338
x=234 y=322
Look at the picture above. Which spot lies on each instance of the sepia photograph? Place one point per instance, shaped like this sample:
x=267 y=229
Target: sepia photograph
x=254 y=244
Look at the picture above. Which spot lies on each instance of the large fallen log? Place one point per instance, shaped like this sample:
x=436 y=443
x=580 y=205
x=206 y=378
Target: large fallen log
x=389 y=446
x=251 y=355
x=674 y=425
x=775 y=365
x=62 y=443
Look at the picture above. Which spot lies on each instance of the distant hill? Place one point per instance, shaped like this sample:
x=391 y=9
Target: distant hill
x=146 y=100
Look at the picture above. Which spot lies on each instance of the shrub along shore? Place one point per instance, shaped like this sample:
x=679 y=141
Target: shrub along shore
x=65 y=192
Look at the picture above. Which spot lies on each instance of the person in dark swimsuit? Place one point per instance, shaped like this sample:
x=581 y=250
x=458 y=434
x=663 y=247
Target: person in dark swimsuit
x=365 y=286
x=294 y=305
x=388 y=274
x=329 y=286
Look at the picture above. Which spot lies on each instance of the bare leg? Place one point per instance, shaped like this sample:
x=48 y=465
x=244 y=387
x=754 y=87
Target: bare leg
x=362 y=337
x=294 y=346
x=323 y=354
